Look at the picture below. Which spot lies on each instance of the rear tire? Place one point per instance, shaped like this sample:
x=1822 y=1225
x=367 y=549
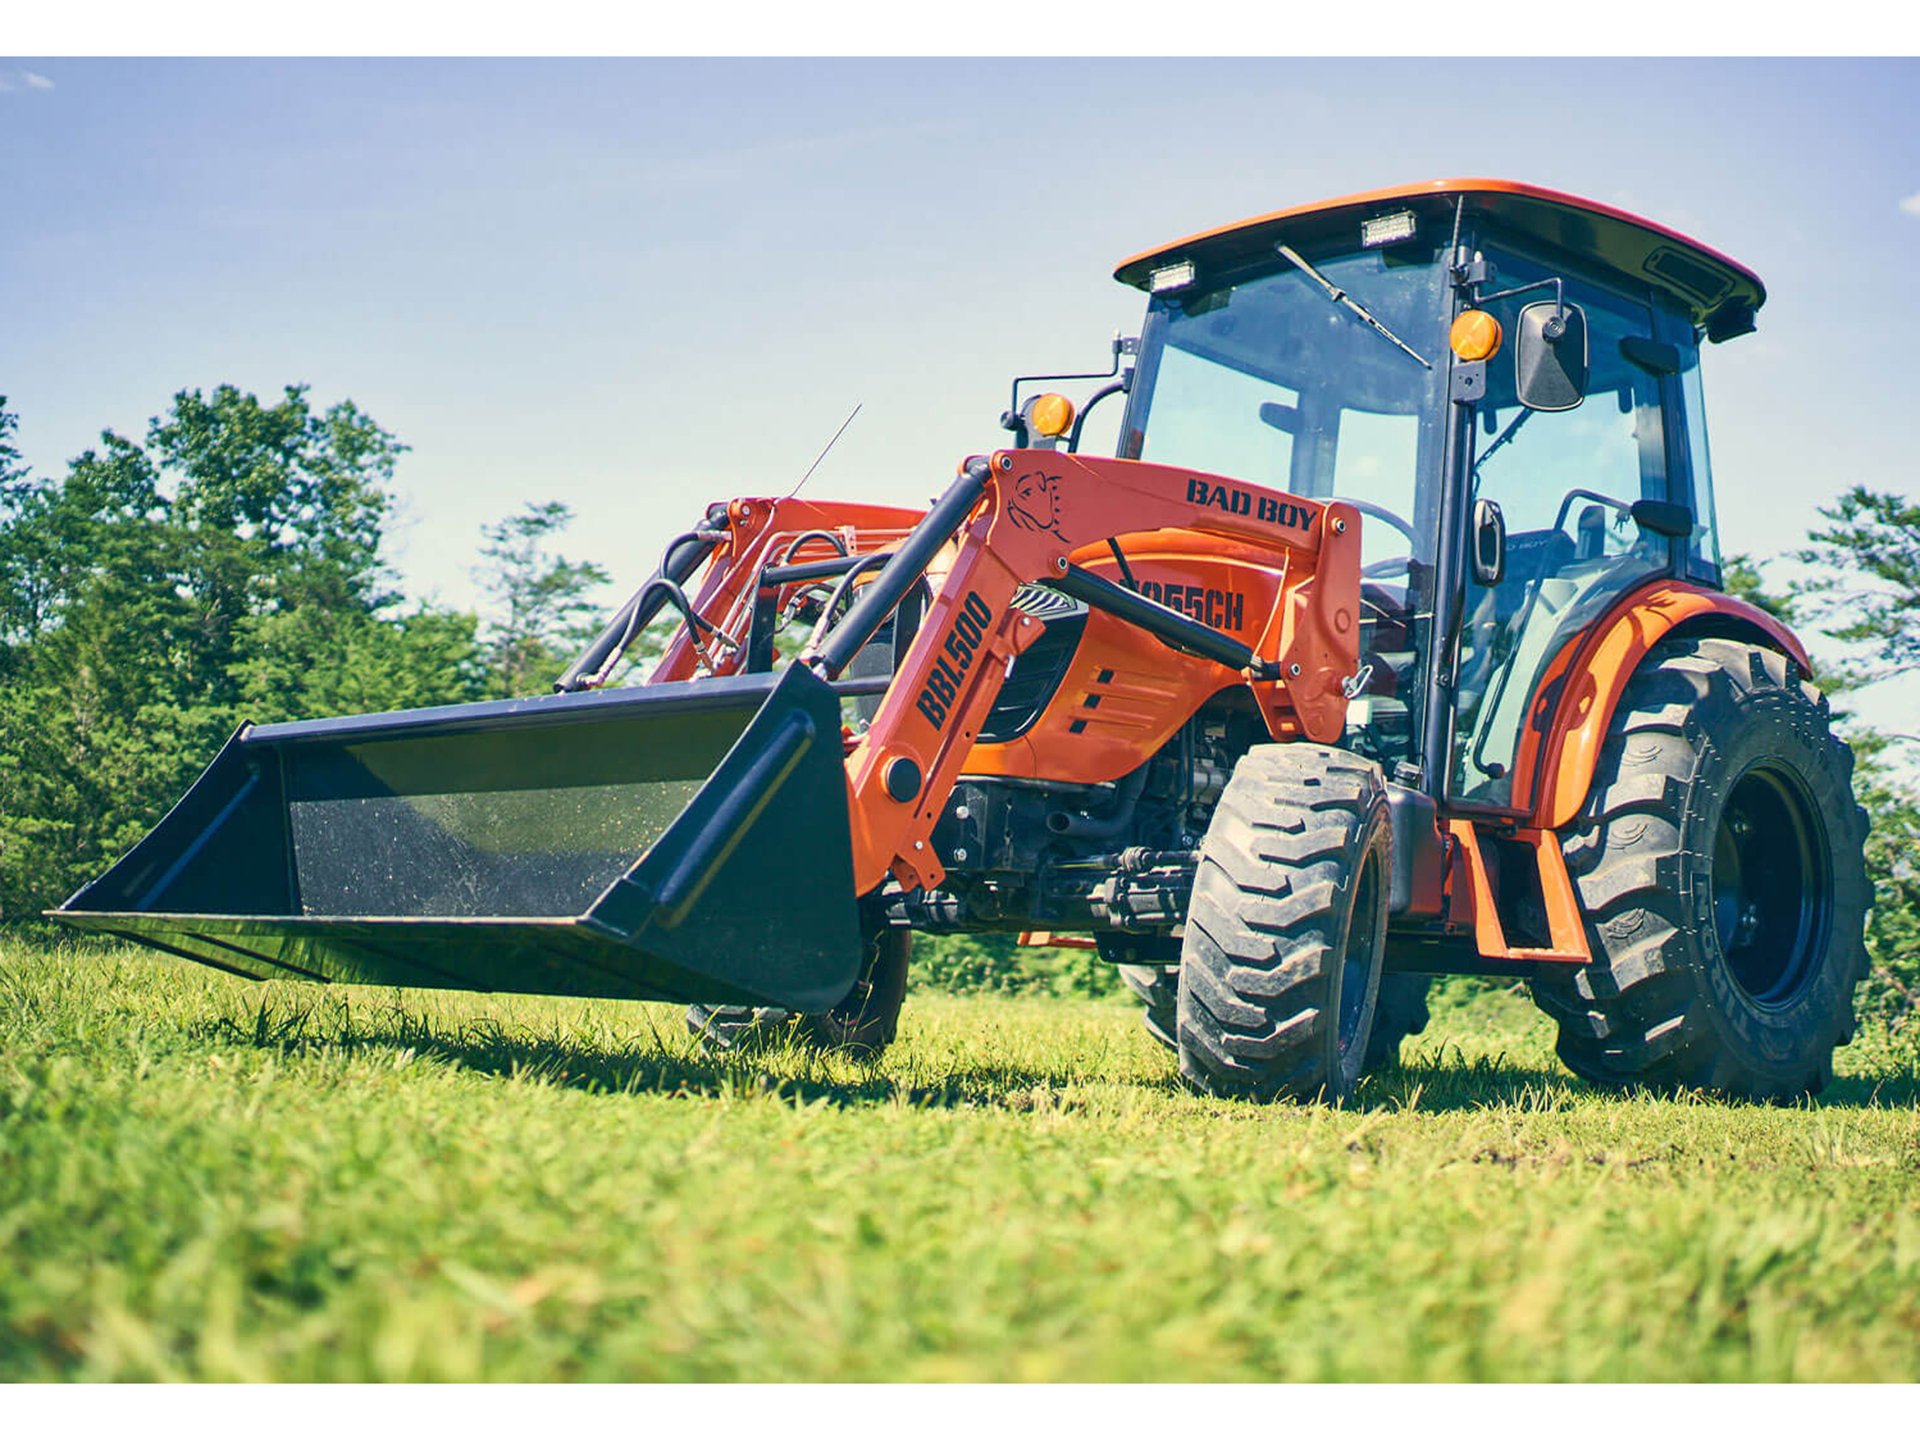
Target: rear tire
x=1280 y=964
x=1718 y=862
x=1400 y=1011
x=1149 y=966
x=864 y=1023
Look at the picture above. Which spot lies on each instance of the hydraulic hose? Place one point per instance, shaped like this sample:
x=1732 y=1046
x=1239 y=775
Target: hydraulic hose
x=833 y=654
x=684 y=555
x=865 y=563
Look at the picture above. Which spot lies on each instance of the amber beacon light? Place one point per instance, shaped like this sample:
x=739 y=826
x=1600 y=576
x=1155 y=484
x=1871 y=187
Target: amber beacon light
x=1052 y=414
x=1475 y=335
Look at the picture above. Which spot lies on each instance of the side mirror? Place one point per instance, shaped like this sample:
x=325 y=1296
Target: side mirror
x=1663 y=517
x=1489 y=543
x=1285 y=418
x=1550 y=356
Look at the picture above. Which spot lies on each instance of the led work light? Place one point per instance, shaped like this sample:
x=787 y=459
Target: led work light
x=1388 y=229
x=1176 y=276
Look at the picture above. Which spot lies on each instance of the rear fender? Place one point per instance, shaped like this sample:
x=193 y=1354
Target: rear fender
x=1572 y=712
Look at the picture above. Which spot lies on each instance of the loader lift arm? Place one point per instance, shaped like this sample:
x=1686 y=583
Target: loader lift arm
x=1019 y=515
x=752 y=542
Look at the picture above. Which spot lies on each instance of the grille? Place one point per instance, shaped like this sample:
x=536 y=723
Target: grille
x=1047 y=605
x=1036 y=672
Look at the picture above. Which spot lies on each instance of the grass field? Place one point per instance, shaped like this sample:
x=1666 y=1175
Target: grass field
x=203 y=1178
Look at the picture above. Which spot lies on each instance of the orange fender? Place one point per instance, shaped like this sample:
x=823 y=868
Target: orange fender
x=1576 y=700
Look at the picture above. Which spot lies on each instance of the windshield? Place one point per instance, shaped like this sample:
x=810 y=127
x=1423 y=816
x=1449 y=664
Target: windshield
x=1274 y=380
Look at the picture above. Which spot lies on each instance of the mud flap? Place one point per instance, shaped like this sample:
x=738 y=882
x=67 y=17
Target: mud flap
x=683 y=841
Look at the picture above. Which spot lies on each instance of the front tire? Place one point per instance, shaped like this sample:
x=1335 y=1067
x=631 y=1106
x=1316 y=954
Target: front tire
x=1286 y=932
x=1400 y=1010
x=864 y=1023
x=1718 y=862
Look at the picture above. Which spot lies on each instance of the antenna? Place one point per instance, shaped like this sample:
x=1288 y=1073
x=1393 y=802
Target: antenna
x=823 y=453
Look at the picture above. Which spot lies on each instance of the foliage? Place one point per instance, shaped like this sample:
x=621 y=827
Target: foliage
x=1892 y=991
x=545 y=602
x=1867 y=589
x=1741 y=578
x=202 y=1178
x=305 y=663
x=998 y=965
x=159 y=593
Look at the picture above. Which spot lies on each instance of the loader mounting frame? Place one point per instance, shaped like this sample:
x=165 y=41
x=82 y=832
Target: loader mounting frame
x=1020 y=515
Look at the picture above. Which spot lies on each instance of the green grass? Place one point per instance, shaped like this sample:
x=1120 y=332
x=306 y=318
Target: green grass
x=202 y=1178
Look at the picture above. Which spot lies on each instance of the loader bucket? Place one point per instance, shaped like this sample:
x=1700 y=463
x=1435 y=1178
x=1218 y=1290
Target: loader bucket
x=680 y=841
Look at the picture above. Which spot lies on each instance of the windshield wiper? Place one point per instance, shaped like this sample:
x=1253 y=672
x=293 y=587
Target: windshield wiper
x=1340 y=297
x=1504 y=436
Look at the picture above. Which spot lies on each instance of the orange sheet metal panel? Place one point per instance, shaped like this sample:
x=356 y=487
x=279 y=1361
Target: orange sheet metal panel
x=1038 y=509
x=1125 y=693
x=1584 y=686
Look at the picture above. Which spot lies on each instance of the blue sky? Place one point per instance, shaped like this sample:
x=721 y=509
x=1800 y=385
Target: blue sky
x=634 y=286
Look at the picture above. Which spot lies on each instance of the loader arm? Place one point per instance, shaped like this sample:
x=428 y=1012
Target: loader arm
x=1020 y=516
x=761 y=533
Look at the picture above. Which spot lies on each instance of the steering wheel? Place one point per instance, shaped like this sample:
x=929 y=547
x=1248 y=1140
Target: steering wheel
x=1379 y=512
x=1393 y=564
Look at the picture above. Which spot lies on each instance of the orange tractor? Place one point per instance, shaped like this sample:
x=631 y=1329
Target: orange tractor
x=1391 y=643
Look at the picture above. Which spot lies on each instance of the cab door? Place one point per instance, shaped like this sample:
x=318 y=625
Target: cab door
x=1566 y=482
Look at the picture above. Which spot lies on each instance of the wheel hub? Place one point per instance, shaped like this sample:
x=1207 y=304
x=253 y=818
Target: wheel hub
x=1772 y=893
x=1362 y=943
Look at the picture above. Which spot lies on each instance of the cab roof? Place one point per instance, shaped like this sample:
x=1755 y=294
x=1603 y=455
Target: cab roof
x=1718 y=293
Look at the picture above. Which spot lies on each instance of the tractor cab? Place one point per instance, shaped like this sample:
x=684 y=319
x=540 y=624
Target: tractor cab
x=1504 y=380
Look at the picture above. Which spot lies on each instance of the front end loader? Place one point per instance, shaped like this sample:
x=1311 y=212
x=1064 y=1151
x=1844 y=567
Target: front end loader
x=1391 y=642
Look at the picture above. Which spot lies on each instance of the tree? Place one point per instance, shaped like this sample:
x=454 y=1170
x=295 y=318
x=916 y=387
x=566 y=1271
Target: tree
x=1868 y=591
x=13 y=471
x=305 y=662
x=284 y=508
x=1893 y=925
x=1741 y=578
x=544 y=603
x=156 y=595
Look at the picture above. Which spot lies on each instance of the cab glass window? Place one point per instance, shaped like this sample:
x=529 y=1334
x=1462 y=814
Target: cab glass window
x=1272 y=380
x=1566 y=482
x=1703 y=554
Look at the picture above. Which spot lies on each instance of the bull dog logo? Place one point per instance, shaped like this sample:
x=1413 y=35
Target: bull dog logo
x=1033 y=505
